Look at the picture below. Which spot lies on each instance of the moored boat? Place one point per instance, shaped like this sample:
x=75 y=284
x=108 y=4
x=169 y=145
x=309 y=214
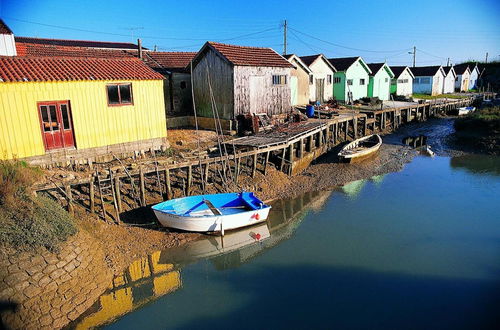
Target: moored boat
x=209 y=213
x=465 y=110
x=361 y=148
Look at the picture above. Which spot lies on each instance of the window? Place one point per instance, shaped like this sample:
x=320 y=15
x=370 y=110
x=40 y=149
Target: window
x=361 y=82
x=349 y=82
x=311 y=79
x=401 y=81
x=65 y=116
x=119 y=94
x=386 y=79
x=426 y=80
x=183 y=85
x=393 y=81
x=336 y=80
x=279 y=79
x=329 y=79
x=416 y=81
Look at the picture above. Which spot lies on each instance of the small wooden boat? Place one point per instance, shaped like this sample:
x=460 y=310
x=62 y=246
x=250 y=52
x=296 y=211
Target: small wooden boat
x=465 y=110
x=208 y=213
x=361 y=148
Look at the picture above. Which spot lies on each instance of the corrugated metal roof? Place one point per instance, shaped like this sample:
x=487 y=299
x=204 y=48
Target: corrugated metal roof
x=19 y=69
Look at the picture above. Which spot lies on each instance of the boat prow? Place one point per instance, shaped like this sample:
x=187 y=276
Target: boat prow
x=360 y=149
x=209 y=213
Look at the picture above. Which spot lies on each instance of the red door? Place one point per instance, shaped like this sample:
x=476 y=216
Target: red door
x=56 y=124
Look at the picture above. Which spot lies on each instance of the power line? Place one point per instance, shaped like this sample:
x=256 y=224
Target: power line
x=341 y=46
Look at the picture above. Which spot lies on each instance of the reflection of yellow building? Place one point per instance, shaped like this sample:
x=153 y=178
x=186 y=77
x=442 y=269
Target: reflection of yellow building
x=352 y=189
x=119 y=300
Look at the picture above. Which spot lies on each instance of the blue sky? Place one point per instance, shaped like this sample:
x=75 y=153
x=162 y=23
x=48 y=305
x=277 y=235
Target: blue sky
x=376 y=30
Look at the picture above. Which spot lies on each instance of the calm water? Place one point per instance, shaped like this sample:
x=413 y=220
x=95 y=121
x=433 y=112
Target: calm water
x=418 y=249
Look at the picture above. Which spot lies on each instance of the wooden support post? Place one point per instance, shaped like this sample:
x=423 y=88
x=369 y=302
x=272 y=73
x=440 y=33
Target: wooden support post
x=142 y=186
x=118 y=193
x=283 y=159
x=207 y=171
x=92 y=193
x=189 y=179
x=311 y=144
x=346 y=126
x=254 y=165
x=237 y=169
x=301 y=148
x=336 y=133
x=266 y=161
x=69 y=196
x=168 y=193
x=290 y=158
x=355 y=127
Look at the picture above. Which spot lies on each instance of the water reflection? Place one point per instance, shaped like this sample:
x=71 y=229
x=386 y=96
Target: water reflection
x=415 y=141
x=159 y=274
x=480 y=164
x=144 y=280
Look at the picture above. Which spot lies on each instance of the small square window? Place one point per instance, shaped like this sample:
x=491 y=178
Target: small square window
x=119 y=94
x=329 y=78
x=349 y=82
x=361 y=82
x=279 y=79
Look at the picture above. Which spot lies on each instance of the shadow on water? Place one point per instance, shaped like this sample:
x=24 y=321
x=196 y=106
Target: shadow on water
x=320 y=297
x=477 y=164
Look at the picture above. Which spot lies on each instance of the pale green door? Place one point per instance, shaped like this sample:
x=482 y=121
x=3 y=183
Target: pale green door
x=294 y=88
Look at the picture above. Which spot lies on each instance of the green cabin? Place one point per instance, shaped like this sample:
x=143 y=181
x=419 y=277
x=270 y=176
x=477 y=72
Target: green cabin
x=380 y=81
x=350 y=82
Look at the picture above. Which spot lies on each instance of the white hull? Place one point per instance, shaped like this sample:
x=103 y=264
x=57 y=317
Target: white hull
x=212 y=223
x=351 y=152
x=465 y=111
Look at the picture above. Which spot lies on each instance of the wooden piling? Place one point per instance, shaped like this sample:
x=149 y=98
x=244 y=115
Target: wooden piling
x=142 y=186
x=266 y=161
x=92 y=193
x=69 y=197
x=254 y=165
x=189 y=180
x=118 y=193
x=168 y=193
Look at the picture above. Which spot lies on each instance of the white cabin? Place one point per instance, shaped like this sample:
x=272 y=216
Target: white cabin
x=321 y=79
x=428 y=80
x=449 y=80
x=462 y=79
x=402 y=83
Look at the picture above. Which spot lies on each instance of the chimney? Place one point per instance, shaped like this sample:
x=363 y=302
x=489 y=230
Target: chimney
x=139 y=46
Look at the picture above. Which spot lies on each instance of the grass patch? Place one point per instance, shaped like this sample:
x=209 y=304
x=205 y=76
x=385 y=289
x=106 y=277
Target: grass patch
x=28 y=221
x=480 y=129
x=440 y=96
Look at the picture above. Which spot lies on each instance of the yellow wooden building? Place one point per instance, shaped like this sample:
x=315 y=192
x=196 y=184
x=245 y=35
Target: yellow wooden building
x=56 y=109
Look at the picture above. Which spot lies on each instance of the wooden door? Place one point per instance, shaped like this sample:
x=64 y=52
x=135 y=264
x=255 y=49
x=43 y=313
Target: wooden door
x=56 y=124
x=257 y=94
x=320 y=90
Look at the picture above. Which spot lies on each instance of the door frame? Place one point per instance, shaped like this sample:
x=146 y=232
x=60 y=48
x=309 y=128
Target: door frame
x=60 y=122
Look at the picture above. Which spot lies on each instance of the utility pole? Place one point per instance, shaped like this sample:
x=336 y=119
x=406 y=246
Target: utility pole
x=486 y=61
x=284 y=37
x=414 y=54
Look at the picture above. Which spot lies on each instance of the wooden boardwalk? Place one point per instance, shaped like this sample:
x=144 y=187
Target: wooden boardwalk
x=289 y=148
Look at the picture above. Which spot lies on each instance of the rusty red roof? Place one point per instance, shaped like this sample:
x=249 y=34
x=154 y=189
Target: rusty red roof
x=168 y=60
x=30 y=49
x=77 y=43
x=4 y=29
x=250 y=56
x=13 y=69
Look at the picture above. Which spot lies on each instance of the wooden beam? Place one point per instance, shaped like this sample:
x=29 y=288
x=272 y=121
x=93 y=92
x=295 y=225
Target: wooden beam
x=142 y=186
x=189 y=179
x=118 y=193
x=92 y=193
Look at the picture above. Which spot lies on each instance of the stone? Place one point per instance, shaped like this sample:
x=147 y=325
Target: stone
x=57 y=273
x=32 y=291
x=45 y=320
x=38 y=260
x=6 y=293
x=60 y=322
x=44 y=281
x=67 y=307
x=73 y=315
x=33 y=269
x=70 y=267
x=50 y=258
x=15 y=278
x=52 y=286
x=20 y=286
x=77 y=300
x=49 y=269
x=55 y=313
x=61 y=264
x=64 y=278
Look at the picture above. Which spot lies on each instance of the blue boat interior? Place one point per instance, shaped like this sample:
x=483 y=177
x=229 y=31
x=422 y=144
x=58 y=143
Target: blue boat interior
x=227 y=203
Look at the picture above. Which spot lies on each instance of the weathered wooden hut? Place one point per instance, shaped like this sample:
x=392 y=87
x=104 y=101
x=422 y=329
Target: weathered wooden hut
x=321 y=79
x=56 y=109
x=449 y=80
x=428 y=79
x=402 y=83
x=174 y=66
x=463 y=77
x=299 y=80
x=474 y=77
x=240 y=80
x=379 y=83
x=351 y=79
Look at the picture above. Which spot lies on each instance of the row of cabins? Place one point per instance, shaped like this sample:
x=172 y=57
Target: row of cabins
x=74 y=100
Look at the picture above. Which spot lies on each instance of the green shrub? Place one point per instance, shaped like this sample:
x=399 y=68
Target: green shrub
x=28 y=221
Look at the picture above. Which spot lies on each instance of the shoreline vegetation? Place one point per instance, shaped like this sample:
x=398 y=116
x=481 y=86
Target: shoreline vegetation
x=441 y=96
x=28 y=221
x=480 y=130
